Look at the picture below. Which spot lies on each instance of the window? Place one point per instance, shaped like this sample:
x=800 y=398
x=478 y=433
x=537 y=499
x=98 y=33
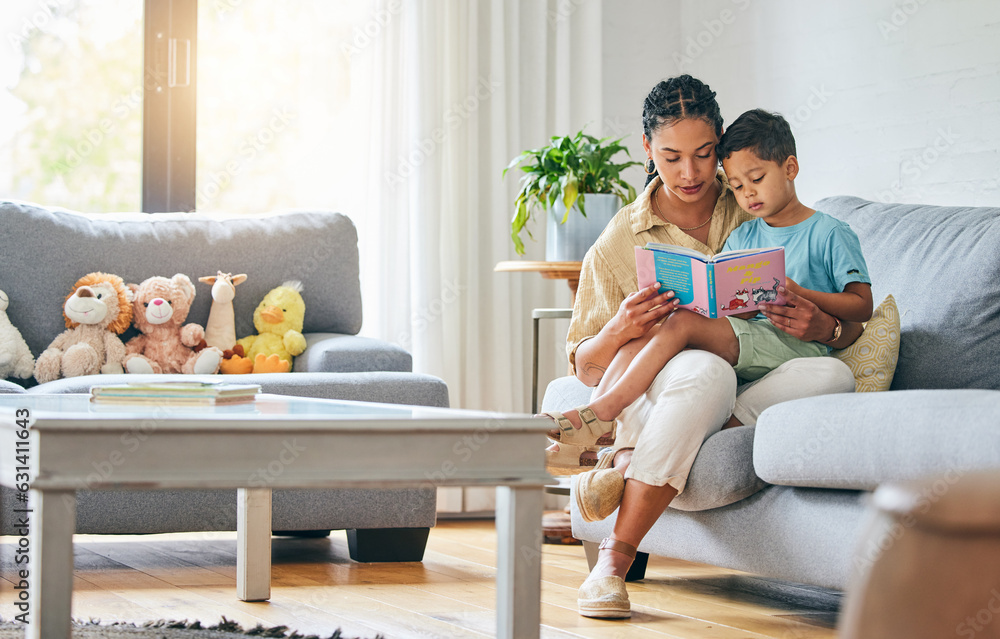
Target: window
x=275 y=123
x=71 y=103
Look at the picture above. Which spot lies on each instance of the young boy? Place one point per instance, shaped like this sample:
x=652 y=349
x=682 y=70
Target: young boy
x=823 y=263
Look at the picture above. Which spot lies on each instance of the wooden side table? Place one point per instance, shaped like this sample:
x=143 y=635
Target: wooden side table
x=569 y=271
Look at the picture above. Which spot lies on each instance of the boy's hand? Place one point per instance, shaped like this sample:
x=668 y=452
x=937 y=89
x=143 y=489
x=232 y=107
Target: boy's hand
x=799 y=317
x=793 y=286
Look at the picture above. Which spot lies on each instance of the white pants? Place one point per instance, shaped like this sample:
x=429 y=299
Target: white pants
x=693 y=397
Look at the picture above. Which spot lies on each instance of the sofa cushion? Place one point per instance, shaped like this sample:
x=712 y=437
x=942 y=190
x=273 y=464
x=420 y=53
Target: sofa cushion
x=336 y=353
x=722 y=473
x=54 y=248
x=858 y=441
x=386 y=387
x=942 y=266
x=872 y=358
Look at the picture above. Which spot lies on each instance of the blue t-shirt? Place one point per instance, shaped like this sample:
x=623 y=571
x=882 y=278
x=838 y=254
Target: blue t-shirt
x=821 y=253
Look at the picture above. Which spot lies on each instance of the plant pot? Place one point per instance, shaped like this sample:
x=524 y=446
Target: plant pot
x=569 y=242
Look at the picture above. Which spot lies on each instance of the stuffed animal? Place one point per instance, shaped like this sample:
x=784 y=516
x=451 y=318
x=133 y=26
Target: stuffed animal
x=220 y=330
x=15 y=356
x=167 y=345
x=96 y=311
x=278 y=320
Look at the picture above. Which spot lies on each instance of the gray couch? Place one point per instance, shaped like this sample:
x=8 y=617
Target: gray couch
x=787 y=498
x=43 y=251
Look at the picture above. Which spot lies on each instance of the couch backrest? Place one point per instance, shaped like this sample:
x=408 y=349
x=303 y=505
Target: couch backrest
x=942 y=265
x=43 y=252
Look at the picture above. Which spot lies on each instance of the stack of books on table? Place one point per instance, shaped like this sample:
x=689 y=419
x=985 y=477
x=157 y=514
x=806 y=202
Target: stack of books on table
x=175 y=393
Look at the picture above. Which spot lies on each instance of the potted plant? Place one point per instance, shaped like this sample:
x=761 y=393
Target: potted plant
x=559 y=178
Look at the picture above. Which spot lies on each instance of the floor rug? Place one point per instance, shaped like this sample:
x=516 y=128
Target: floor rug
x=225 y=629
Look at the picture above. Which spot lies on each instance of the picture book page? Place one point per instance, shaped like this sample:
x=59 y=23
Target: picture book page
x=687 y=278
x=743 y=283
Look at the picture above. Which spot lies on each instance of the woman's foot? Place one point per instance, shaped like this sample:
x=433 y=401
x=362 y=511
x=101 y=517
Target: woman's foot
x=598 y=493
x=603 y=594
x=581 y=426
x=622 y=459
x=611 y=563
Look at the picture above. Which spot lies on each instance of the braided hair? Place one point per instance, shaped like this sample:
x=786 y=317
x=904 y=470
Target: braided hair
x=676 y=99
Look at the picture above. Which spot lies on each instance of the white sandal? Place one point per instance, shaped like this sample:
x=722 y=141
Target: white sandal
x=594 y=432
x=568 y=459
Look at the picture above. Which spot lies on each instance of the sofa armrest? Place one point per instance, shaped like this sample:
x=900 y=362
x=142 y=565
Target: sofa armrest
x=7 y=387
x=564 y=393
x=858 y=441
x=339 y=353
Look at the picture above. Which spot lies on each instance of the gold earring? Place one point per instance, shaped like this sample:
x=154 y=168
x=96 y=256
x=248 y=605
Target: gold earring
x=649 y=167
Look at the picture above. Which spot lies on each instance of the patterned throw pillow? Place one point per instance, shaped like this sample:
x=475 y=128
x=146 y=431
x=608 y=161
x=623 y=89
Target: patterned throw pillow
x=872 y=358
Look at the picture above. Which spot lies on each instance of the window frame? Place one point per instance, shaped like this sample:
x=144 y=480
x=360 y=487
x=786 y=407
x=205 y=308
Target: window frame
x=169 y=110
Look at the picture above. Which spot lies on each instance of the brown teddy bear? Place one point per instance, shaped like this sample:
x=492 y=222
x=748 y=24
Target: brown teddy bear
x=167 y=345
x=96 y=311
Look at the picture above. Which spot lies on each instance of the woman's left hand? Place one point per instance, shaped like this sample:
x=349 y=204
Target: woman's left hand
x=800 y=318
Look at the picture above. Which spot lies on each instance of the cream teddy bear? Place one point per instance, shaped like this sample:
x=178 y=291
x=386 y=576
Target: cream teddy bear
x=167 y=344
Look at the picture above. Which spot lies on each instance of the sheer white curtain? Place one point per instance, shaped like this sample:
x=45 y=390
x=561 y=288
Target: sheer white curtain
x=458 y=88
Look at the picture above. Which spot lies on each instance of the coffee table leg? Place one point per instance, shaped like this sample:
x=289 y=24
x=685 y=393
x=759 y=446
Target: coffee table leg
x=519 y=561
x=253 y=544
x=51 y=563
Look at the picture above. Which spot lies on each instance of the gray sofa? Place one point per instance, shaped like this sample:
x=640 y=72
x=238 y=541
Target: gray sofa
x=44 y=251
x=786 y=498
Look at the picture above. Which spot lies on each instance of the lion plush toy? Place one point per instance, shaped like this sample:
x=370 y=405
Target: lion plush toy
x=167 y=344
x=96 y=311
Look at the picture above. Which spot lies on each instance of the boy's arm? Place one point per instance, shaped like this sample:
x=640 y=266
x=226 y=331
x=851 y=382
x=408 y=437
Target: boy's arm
x=854 y=304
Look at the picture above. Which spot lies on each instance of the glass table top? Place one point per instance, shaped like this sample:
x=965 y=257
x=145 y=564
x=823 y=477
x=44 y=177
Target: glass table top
x=70 y=406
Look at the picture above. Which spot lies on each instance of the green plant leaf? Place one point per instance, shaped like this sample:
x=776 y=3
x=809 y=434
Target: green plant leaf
x=569 y=189
x=565 y=170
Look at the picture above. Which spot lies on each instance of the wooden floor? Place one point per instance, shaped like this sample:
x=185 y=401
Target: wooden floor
x=317 y=588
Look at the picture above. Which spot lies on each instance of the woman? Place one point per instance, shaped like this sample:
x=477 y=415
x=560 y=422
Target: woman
x=687 y=202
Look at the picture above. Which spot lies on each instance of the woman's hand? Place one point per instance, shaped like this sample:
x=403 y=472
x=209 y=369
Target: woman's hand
x=641 y=311
x=800 y=318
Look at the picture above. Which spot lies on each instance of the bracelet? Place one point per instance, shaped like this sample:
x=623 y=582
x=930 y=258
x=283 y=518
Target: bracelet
x=838 y=327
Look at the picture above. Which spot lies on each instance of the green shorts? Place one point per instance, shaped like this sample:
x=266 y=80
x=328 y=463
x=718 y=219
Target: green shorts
x=764 y=347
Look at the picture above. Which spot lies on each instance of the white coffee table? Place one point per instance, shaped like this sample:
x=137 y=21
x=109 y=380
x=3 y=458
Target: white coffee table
x=303 y=443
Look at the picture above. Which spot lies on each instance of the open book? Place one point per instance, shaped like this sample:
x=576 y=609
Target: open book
x=729 y=283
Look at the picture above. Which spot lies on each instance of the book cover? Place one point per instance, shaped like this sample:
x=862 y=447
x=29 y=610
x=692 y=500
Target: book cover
x=726 y=284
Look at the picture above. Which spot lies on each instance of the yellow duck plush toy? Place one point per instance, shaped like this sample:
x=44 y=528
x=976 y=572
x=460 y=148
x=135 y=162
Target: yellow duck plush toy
x=278 y=320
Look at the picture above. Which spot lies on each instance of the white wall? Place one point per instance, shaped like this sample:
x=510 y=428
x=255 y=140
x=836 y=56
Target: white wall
x=891 y=101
